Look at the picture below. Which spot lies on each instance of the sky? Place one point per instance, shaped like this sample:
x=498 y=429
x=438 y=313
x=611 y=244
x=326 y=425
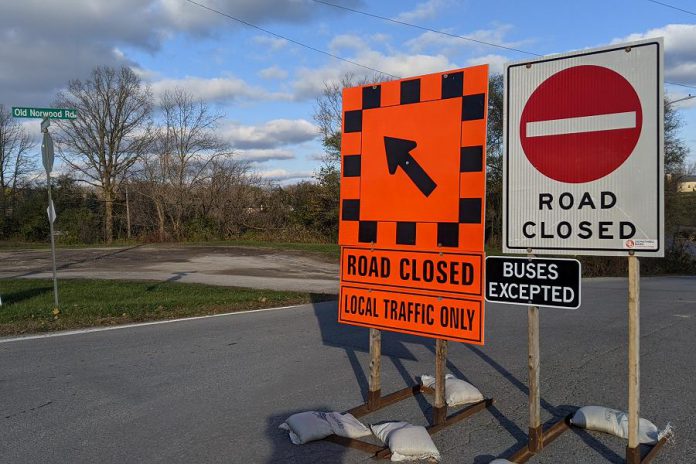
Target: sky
x=266 y=86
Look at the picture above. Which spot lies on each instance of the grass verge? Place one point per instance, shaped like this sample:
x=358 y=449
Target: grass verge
x=27 y=304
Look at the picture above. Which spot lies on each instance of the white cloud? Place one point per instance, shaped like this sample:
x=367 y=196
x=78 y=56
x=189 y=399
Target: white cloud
x=260 y=155
x=496 y=63
x=316 y=157
x=285 y=175
x=680 y=50
x=273 y=43
x=187 y=16
x=425 y=10
x=217 y=89
x=272 y=134
x=310 y=82
x=347 y=42
x=46 y=43
x=273 y=72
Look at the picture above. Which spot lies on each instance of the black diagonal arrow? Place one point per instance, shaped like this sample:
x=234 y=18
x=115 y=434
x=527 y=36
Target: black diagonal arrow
x=399 y=155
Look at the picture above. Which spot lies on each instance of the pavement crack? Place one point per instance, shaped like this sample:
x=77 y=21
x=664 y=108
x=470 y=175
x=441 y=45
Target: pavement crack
x=28 y=410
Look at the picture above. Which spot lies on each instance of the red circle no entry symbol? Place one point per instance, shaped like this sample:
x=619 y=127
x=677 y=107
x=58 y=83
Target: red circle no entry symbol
x=581 y=124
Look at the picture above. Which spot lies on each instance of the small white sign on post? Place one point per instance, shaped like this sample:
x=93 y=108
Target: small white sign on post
x=51 y=211
x=47 y=152
x=583 y=163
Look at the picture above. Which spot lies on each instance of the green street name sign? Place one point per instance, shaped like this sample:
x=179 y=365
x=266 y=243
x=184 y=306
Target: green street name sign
x=51 y=113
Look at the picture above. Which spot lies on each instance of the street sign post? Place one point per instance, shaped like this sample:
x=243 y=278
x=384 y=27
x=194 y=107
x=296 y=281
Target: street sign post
x=47 y=156
x=584 y=149
x=554 y=283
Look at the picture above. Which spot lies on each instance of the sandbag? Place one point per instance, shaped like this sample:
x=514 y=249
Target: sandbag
x=615 y=422
x=405 y=441
x=346 y=425
x=500 y=461
x=307 y=426
x=457 y=391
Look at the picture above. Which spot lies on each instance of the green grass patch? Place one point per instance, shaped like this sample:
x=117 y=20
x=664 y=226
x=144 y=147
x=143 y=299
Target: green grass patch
x=27 y=304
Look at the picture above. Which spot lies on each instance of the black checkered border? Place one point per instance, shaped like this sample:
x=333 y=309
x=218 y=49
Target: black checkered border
x=471 y=160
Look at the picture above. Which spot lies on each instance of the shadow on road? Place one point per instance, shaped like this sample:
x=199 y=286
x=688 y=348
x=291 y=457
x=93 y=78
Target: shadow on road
x=355 y=340
x=174 y=278
x=69 y=264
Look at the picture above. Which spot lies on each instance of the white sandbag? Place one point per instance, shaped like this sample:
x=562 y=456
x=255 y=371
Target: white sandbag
x=615 y=422
x=346 y=425
x=457 y=391
x=407 y=442
x=501 y=461
x=307 y=426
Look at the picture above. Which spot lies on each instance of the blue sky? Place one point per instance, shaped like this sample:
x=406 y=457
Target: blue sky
x=266 y=86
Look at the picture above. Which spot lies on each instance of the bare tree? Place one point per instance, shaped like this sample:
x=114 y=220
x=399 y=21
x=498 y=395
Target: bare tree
x=185 y=146
x=15 y=145
x=328 y=114
x=110 y=133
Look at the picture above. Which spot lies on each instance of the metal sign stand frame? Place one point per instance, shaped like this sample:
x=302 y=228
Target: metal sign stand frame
x=375 y=400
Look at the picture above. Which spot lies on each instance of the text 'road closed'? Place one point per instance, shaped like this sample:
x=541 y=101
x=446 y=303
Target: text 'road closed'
x=442 y=272
x=450 y=318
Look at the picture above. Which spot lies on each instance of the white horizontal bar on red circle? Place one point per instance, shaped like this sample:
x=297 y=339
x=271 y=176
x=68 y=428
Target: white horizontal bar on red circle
x=596 y=123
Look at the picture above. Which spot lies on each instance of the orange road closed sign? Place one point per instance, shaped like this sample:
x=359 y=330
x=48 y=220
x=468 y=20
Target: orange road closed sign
x=412 y=204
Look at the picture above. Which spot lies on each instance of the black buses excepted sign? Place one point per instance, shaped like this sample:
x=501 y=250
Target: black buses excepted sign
x=533 y=281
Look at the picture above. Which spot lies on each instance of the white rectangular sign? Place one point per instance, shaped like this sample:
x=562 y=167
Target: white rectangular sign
x=583 y=162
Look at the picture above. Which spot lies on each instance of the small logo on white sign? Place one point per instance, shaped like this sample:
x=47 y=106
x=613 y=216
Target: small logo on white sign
x=639 y=244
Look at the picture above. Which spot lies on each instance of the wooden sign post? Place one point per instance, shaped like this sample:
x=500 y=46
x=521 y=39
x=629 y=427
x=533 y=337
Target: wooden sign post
x=535 y=433
x=375 y=389
x=633 y=447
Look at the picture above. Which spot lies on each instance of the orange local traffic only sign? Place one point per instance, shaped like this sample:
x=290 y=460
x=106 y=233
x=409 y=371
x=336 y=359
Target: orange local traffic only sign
x=412 y=204
x=554 y=283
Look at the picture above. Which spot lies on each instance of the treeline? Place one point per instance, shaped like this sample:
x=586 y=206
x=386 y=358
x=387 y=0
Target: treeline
x=156 y=170
x=231 y=203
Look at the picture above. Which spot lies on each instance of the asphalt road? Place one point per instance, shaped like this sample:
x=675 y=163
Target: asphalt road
x=216 y=389
x=215 y=265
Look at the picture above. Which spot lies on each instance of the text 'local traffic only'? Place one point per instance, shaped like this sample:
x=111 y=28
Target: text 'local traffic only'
x=442 y=272
x=453 y=318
